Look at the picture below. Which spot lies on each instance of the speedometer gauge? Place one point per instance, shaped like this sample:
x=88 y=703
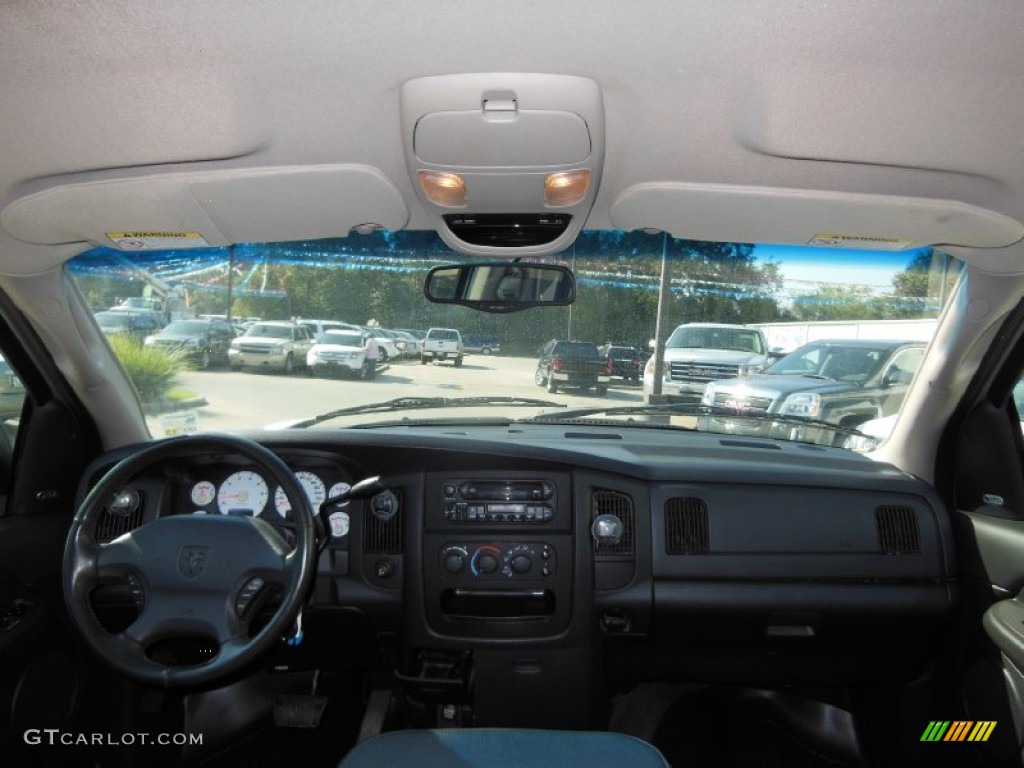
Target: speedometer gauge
x=203 y=493
x=243 y=493
x=315 y=490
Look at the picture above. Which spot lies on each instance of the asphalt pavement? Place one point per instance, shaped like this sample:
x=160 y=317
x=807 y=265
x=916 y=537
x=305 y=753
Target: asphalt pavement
x=246 y=400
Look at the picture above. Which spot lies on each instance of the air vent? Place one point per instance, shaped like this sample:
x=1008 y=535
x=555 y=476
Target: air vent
x=606 y=502
x=383 y=535
x=686 y=527
x=897 y=531
x=111 y=526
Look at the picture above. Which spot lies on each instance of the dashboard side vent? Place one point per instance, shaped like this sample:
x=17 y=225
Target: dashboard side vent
x=897 y=531
x=605 y=502
x=109 y=526
x=383 y=535
x=686 y=527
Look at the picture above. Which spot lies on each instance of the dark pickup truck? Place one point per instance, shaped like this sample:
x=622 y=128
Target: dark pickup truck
x=572 y=364
x=844 y=382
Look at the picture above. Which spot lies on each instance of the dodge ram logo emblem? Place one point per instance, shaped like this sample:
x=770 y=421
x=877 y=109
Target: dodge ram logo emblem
x=192 y=561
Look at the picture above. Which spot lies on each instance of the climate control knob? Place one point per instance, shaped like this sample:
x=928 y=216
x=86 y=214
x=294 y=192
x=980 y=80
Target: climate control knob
x=521 y=564
x=487 y=563
x=454 y=559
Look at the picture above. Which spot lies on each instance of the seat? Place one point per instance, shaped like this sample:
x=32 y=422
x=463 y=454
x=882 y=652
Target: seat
x=503 y=748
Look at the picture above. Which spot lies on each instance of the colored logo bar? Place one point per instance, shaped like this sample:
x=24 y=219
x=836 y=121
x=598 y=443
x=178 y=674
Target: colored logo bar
x=958 y=730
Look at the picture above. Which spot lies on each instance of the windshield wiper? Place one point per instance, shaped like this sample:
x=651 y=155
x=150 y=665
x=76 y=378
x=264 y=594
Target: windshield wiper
x=420 y=403
x=691 y=409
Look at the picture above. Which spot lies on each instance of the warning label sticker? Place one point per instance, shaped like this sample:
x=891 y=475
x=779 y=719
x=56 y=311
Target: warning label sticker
x=156 y=241
x=862 y=242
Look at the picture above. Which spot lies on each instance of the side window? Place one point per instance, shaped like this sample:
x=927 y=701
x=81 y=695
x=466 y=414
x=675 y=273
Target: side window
x=903 y=366
x=12 y=399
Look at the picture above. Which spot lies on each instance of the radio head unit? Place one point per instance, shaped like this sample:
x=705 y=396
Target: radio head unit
x=498 y=501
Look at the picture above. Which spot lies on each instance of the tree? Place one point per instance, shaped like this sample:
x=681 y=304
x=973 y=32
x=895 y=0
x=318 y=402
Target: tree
x=838 y=302
x=921 y=289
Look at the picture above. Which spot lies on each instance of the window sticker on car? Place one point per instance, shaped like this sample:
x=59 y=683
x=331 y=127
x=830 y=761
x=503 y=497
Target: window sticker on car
x=860 y=241
x=156 y=241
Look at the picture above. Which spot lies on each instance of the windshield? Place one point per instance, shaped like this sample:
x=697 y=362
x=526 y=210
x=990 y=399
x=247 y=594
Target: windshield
x=716 y=338
x=114 y=319
x=728 y=312
x=270 y=331
x=342 y=339
x=186 y=328
x=833 y=361
x=442 y=334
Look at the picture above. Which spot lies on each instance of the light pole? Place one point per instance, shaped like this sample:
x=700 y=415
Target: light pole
x=568 y=330
x=659 y=344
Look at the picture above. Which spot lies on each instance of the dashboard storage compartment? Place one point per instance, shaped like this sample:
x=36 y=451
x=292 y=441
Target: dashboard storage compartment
x=495 y=604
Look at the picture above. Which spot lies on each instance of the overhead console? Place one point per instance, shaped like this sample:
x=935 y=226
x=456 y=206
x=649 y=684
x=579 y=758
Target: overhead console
x=504 y=163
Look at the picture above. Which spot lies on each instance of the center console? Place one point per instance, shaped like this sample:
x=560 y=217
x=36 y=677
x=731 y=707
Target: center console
x=497 y=555
x=499 y=625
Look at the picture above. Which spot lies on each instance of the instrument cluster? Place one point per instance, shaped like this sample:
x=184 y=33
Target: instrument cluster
x=247 y=492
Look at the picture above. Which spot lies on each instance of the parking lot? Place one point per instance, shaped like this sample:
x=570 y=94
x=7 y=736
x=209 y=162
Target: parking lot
x=251 y=399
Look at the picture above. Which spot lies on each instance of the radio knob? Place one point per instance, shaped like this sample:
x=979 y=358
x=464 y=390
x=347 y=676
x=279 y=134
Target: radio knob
x=487 y=563
x=521 y=564
x=455 y=562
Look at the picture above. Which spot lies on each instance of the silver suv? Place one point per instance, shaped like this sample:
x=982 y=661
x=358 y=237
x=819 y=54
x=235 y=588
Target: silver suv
x=280 y=346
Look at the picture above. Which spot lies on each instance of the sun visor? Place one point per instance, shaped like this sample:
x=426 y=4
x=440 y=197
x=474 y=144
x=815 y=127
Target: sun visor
x=784 y=216
x=212 y=208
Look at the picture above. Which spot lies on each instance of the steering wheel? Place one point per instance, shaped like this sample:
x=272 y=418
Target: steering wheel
x=189 y=573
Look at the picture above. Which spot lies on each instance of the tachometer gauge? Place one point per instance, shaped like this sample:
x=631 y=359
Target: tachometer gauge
x=243 y=493
x=313 y=486
x=203 y=493
x=339 y=488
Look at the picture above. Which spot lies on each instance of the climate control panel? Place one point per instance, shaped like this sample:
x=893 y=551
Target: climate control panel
x=498 y=561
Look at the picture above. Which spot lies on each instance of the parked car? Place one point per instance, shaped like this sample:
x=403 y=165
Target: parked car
x=276 y=345
x=387 y=346
x=407 y=342
x=442 y=344
x=203 y=342
x=485 y=345
x=338 y=351
x=697 y=353
x=137 y=325
x=627 y=362
x=577 y=364
x=844 y=382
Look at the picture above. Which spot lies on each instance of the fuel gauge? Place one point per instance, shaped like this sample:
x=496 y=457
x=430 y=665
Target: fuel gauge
x=203 y=493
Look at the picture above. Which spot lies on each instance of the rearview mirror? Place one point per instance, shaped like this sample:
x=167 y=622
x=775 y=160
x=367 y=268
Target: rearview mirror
x=506 y=286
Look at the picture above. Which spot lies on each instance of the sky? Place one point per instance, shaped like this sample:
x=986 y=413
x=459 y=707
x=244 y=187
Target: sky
x=806 y=268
